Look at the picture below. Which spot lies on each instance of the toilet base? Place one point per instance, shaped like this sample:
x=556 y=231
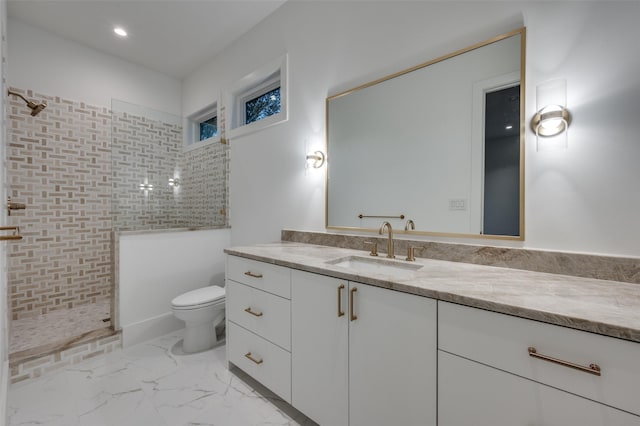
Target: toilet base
x=198 y=338
x=202 y=336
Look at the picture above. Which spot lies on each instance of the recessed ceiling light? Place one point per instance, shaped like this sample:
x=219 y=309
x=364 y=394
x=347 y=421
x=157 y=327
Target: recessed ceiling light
x=508 y=127
x=120 y=31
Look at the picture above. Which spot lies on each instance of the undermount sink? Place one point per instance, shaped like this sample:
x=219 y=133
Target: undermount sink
x=374 y=265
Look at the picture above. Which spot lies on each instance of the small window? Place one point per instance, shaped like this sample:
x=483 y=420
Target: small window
x=259 y=99
x=209 y=128
x=201 y=128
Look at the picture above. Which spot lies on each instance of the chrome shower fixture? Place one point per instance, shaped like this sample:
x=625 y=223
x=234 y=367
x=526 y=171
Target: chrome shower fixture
x=35 y=108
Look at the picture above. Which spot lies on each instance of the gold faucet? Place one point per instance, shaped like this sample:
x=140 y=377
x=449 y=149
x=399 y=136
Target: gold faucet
x=387 y=225
x=410 y=225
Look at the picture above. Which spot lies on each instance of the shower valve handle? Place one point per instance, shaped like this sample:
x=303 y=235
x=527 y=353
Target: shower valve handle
x=14 y=206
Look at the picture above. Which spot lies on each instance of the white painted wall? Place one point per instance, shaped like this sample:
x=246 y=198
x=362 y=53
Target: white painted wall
x=584 y=199
x=155 y=268
x=49 y=64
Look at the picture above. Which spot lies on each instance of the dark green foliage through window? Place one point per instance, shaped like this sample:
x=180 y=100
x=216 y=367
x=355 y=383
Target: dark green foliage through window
x=262 y=106
x=209 y=128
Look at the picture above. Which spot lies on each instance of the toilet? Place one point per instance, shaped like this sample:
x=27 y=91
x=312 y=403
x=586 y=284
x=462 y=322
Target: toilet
x=202 y=310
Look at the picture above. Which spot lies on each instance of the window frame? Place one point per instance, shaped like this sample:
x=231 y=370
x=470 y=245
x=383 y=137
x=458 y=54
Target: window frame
x=255 y=84
x=272 y=83
x=191 y=137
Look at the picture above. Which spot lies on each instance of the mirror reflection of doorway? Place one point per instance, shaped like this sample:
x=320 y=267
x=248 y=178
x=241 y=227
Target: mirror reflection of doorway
x=501 y=201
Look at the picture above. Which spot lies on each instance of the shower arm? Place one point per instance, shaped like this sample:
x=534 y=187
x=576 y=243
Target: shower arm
x=29 y=103
x=35 y=108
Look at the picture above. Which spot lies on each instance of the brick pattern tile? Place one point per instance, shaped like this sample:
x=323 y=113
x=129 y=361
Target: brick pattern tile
x=59 y=165
x=149 y=152
x=78 y=168
x=144 y=152
x=202 y=191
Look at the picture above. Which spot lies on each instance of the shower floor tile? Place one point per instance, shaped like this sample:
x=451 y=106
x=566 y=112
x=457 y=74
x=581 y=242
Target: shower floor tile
x=153 y=384
x=57 y=326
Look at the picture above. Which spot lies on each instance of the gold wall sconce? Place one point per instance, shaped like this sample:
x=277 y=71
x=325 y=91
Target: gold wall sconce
x=552 y=118
x=174 y=182
x=315 y=159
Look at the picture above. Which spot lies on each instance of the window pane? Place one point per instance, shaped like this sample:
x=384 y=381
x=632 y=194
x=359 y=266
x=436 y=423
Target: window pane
x=209 y=128
x=263 y=106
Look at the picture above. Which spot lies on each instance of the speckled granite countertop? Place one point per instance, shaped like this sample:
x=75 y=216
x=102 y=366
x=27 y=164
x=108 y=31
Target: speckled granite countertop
x=610 y=308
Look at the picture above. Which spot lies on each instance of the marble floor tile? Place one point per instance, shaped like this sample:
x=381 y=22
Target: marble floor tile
x=149 y=384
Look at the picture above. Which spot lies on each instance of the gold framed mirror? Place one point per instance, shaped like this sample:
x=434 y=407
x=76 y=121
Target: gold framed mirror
x=438 y=147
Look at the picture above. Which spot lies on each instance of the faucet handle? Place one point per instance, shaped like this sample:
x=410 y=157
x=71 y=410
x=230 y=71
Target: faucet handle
x=411 y=251
x=374 y=247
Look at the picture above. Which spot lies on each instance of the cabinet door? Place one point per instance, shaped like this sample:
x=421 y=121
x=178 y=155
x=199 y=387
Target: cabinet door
x=319 y=345
x=392 y=358
x=473 y=394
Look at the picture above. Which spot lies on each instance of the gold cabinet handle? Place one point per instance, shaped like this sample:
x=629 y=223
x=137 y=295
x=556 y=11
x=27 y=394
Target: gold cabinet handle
x=255 y=314
x=340 y=311
x=352 y=295
x=591 y=369
x=257 y=361
x=252 y=275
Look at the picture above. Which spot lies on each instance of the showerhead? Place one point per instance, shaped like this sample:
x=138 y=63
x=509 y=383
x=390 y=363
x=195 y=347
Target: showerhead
x=35 y=108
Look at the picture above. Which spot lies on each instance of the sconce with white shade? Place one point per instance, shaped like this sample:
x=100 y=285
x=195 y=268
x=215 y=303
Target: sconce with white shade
x=315 y=159
x=552 y=119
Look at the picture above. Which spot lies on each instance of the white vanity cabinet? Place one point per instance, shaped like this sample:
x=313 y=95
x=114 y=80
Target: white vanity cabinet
x=498 y=369
x=362 y=355
x=351 y=354
x=258 y=310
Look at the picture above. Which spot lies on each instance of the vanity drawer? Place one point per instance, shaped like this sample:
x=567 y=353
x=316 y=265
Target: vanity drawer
x=264 y=276
x=262 y=360
x=263 y=313
x=503 y=342
x=491 y=397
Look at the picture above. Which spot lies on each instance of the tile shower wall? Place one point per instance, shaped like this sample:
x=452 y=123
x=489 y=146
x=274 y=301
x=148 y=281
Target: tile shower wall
x=78 y=168
x=59 y=165
x=144 y=152
x=204 y=186
x=149 y=152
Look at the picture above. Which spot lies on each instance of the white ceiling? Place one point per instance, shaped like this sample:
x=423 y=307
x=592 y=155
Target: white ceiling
x=173 y=37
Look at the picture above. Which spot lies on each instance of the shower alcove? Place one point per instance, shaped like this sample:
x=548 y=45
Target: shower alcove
x=80 y=171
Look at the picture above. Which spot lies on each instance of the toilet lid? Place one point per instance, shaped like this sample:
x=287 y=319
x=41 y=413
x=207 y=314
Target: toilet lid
x=199 y=296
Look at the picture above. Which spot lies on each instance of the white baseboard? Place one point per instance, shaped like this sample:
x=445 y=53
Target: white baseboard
x=4 y=392
x=150 y=329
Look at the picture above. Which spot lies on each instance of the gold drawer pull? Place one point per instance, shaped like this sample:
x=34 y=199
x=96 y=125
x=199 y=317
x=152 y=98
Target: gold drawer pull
x=252 y=275
x=340 y=311
x=255 y=314
x=591 y=369
x=257 y=361
x=352 y=296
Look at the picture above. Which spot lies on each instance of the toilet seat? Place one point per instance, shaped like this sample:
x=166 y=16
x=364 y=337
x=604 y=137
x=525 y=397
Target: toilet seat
x=199 y=298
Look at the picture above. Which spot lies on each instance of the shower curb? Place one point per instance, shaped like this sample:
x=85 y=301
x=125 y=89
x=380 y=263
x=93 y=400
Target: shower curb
x=36 y=362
